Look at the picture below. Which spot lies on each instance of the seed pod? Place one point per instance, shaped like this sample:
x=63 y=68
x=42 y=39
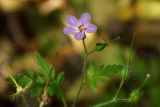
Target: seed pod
x=135 y=96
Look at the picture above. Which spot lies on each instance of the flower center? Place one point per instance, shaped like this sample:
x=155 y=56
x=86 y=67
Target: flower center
x=81 y=28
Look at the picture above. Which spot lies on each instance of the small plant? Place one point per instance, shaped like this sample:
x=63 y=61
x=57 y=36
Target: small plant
x=47 y=83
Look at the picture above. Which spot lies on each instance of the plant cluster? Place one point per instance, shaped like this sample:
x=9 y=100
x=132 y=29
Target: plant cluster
x=47 y=83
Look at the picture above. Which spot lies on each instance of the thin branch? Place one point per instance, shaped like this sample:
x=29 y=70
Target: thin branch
x=110 y=102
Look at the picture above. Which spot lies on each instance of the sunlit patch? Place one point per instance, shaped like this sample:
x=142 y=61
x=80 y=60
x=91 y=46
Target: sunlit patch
x=78 y=46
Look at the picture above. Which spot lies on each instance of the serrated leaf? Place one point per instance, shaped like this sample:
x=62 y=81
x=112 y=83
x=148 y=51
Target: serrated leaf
x=92 y=84
x=101 y=79
x=60 y=78
x=42 y=63
x=109 y=70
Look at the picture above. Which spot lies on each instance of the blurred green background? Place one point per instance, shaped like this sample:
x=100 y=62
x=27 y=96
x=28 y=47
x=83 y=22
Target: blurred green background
x=27 y=26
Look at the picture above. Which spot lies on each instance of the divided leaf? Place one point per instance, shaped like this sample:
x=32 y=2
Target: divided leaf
x=100 y=74
x=46 y=78
x=109 y=70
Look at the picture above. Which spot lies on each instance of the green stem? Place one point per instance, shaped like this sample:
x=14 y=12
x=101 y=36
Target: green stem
x=91 y=52
x=64 y=102
x=108 y=43
x=130 y=51
x=6 y=68
x=45 y=92
x=122 y=81
x=111 y=101
x=114 y=98
x=120 y=86
x=14 y=81
x=83 y=78
x=144 y=82
x=85 y=48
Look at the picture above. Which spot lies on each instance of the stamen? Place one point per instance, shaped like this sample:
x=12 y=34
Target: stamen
x=81 y=28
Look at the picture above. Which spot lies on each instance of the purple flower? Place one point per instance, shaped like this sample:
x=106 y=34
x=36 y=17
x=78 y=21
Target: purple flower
x=79 y=27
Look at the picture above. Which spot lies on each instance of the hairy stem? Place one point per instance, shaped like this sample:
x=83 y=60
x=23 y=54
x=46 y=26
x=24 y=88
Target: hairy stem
x=45 y=96
x=24 y=100
x=83 y=78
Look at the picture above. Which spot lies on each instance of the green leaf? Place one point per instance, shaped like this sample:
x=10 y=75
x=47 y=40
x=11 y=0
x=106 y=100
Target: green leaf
x=60 y=78
x=100 y=74
x=55 y=88
x=100 y=46
x=51 y=90
x=42 y=63
x=40 y=79
x=109 y=70
x=52 y=71
x=52 y=87
x=23 y=80
x=32 y=74
x=101 y=78
x=37 y=89
x=92 y=84
x=91 y=70
x=9 y=81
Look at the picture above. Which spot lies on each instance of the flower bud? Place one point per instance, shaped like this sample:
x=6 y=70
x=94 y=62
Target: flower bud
x=124 y=73
x=100 y=46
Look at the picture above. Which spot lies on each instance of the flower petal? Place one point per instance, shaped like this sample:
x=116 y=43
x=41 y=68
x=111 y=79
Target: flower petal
x=79 y=35
x=69 y=30
x=91 y=28
x=85 y=18
x=72 y=20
